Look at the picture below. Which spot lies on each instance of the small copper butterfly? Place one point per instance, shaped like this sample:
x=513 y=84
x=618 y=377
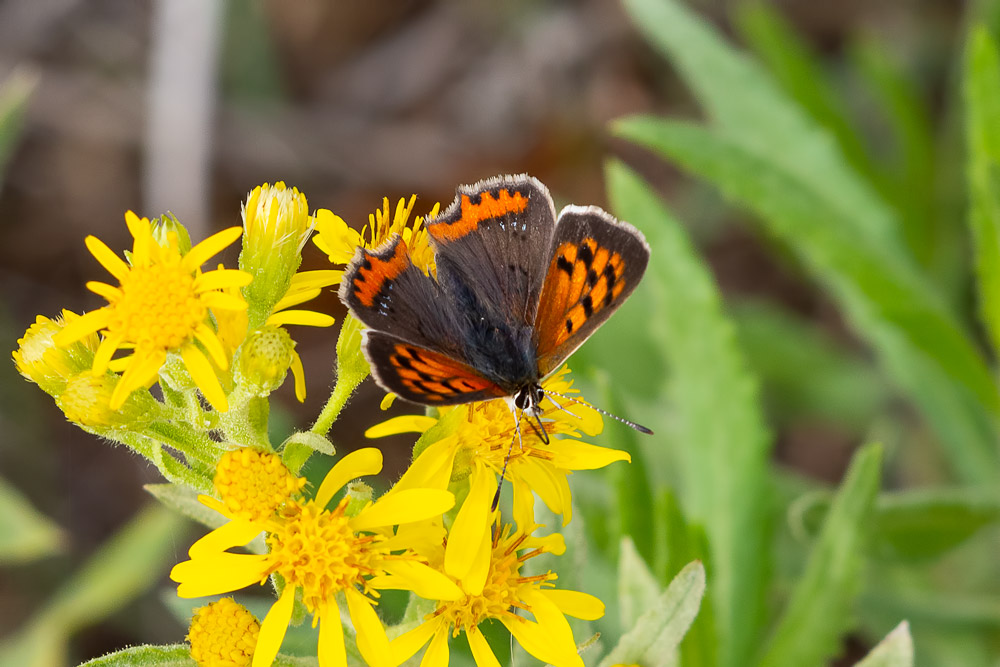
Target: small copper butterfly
x=517 y=291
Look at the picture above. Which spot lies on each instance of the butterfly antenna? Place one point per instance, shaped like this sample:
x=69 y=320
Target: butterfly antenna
x=638 y=427
x=506 y=460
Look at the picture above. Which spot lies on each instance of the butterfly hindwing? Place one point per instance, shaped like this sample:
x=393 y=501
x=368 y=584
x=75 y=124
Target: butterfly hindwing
x=422 y=375
x=492 y=246
x=596 y=262
x=386 y=292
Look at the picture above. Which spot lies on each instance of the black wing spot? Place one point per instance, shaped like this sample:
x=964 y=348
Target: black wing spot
x=591 y=277
x=608 y=298
x=585 y=255
x=569 y=326
x=565 y=265
x=588 y=305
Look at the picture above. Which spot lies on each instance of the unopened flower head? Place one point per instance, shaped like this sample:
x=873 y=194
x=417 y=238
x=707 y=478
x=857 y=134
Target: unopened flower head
x=86 y=401
x=39 y=359
x=265 y=358
x=160 y=307
x=276 y=223
x=501 y=591
x=319 y=554
x=340 y=242
x=223 y=634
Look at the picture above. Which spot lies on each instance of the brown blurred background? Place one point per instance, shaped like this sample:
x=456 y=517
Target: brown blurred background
x=349 y=101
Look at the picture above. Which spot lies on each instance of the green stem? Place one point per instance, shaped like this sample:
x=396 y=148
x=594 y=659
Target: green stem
x=192 y=444
x=348 y=379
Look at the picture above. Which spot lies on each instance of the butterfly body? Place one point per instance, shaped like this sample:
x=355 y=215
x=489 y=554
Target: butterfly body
x=517 y=290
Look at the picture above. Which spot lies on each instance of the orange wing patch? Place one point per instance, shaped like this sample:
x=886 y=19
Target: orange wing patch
x=434 y=377
x=373 y=273
x=472 y=214
x=582 y=280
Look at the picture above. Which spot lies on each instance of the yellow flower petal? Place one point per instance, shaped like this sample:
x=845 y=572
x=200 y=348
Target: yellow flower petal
x=211 y=341
x=402 y=424
x=305 y=318
x=106 y=256
x=204 y=376
x=141 y=372
x=331 y=651
x=576 y=604
x=575 y=455
x=404 y=646
x=109 y=292
x=542 y=480
x=234 y=533
x=471 y=524
x=481 y=651
x=372 y=641
x=432 y=469
x=221 y=279
x=366 y=461
x=299 y=375
x=475 y=580
x=422 y=579
x=437 y=653
x=82 y=326
x=210 y=247
x=549 y=617
x=223 y=301
x=219 y=573
x=106 y=350
x=272 y=630
x=536 y=640
x=404 y=507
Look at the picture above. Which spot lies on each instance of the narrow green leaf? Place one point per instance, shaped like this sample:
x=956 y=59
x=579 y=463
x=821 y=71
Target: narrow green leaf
x=637 y=587
x=818 y=611
x=722 y=442
x=805 y=373
x=917 y=525
x=982 y=98
x=655 y=636
x=176 y=655
x=896 y=650
x=885 y=299
x=25 y=534
x=744 y=101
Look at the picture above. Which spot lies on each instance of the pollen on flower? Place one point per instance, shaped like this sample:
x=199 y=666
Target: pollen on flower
x=503 y=590
x=159 y=308
x=253 y=485
x=316 y=550
x=223 y=634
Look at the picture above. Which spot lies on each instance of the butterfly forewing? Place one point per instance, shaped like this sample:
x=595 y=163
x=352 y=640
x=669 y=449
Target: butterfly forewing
x=492 y=246
x=595 y=264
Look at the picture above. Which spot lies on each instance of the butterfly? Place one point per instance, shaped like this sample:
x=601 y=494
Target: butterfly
x=517 y=290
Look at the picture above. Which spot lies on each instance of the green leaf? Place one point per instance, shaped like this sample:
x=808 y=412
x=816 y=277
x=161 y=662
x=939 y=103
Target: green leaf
x=982 y=97
x=723 y=445
x=819 y=609
x=805 y=373
x=175 y=655
x=885 y=299
x=918 y=525
x=656 y=634
x=25 y=534
x=637 y=587
x=896 y=650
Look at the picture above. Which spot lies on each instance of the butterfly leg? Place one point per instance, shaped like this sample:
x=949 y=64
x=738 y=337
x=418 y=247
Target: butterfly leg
x=506 y=460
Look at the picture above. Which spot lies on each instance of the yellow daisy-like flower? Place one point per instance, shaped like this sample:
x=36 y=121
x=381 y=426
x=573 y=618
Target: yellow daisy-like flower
x=500 y=591
x=160 y=307
x=476 y=440
x=339 y=241
x=223 y=634
x=319 y=554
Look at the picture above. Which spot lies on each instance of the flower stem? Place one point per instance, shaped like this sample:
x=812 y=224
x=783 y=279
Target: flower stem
x=348 y=379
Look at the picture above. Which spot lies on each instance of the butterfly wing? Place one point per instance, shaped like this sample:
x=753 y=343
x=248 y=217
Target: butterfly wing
x=492 y=247
x=422 y=375
x=596 y=262
x=413 y=340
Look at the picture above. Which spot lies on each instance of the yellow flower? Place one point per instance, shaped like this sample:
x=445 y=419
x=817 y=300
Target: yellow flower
x=160 y=307
x=339 y=241
x=223 y=634
x=319 y=554
x=474 y=441
x=233 y=330
x=500 y=591
x=38 y=358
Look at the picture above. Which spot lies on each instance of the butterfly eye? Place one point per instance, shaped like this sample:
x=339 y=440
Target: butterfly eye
x=522 y=398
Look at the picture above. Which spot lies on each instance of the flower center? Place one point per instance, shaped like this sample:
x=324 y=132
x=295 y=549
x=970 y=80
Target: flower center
x=223 y=633
x=501 y=592
x=253 y=485
x=159 y=308
x=316 y=550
